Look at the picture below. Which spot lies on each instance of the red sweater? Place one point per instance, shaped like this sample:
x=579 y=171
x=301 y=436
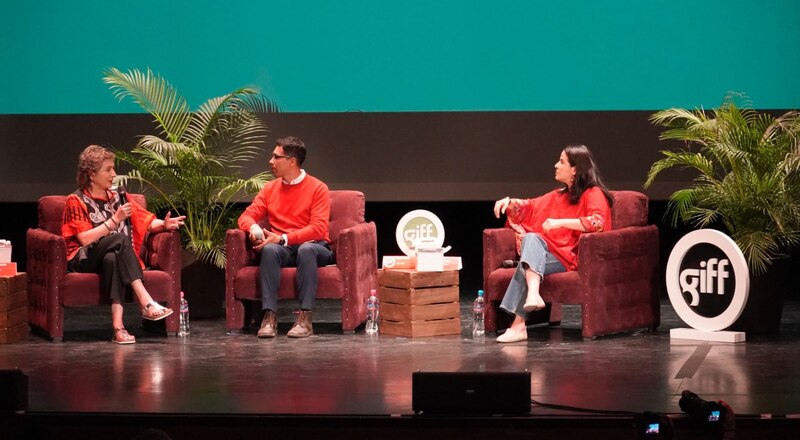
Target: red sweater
x=592 y=210
x=300 y=211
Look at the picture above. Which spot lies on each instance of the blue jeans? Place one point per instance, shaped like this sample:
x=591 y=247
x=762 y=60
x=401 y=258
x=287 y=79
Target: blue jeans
x=533 y=254
x=307 y=257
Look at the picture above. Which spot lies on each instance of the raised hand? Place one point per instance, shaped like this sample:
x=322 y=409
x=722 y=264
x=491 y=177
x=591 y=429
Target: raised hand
x=173 y=223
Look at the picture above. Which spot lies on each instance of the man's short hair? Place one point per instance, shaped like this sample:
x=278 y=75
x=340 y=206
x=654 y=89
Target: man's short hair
x=294 y=147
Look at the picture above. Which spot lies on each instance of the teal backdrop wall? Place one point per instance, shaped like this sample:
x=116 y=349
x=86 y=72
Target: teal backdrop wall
x=445 y=105
x=404 y=100
x=406 y=56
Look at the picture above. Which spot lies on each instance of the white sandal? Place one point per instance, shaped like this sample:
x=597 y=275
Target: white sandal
x=161 y=312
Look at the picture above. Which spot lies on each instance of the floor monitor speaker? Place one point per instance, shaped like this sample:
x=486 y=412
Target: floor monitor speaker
x=13 y=391
x=471 y=393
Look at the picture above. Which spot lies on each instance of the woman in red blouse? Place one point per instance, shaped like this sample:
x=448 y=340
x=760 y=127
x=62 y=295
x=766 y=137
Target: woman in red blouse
x=548 y=228
x=102 y=234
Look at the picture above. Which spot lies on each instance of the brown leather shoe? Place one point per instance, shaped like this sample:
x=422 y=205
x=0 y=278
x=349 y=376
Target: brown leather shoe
x=302 y=328
x=269 y=325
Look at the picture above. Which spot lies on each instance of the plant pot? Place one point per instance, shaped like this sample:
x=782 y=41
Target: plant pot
x=203 y=286
x=764 y=308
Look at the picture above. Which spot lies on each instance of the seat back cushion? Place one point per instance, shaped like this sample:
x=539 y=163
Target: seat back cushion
x=347 y=210
x=630 y=209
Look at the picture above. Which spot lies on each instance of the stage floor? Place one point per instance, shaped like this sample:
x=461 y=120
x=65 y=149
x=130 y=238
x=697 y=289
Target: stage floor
x=213 y=372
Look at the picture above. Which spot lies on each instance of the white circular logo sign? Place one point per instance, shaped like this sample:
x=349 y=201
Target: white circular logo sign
x=707 y=280
x=419 y=225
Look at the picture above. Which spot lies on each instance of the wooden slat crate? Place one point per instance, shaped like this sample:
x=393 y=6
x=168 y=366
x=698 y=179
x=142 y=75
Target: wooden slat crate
x=14 y=334
x=417 y=304
x=13 y=308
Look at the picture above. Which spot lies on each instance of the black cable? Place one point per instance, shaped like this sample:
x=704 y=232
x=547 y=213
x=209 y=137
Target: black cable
x=585 y=410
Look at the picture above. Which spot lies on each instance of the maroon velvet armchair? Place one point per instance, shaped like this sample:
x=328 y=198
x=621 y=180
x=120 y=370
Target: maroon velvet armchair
x=615 y=283
x=355 y=248
x=51 y=288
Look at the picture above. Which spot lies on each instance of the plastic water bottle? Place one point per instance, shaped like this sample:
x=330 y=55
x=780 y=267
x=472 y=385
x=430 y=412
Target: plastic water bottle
x=478 y=311
x=183 y=328
x=373 y=310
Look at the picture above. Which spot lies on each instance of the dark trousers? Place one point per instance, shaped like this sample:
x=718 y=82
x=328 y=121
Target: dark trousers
x=113 y=258
x=307 y=257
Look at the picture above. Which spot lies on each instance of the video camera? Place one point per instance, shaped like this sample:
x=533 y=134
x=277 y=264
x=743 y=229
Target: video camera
x=700 y=410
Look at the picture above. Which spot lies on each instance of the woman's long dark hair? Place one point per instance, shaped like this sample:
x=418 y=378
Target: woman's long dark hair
x=587 y=174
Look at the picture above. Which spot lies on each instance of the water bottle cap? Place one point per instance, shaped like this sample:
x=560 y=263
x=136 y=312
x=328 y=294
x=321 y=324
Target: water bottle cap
x=480 y=293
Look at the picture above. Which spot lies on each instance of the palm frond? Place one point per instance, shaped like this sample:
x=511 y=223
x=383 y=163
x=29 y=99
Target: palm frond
x=193 y=166
x=154 y=95
x=747 y=168
x=681 y=159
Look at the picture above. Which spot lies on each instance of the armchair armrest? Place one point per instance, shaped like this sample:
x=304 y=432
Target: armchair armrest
x=46 y=266
x=165 y=253
x=498 y=245
x=357 y=257
x=618 y=272
x=618 y=255
x=164 y=250
x=236 y=256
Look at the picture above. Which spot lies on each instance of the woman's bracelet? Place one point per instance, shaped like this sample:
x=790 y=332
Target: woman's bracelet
x=106 y=225
x=114 y=221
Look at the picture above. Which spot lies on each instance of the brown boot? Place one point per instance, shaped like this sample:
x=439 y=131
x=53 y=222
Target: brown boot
x=302 y=327
x=269 y=325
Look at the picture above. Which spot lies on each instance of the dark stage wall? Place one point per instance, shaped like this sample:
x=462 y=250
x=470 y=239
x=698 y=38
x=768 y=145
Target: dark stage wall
x=419 y=156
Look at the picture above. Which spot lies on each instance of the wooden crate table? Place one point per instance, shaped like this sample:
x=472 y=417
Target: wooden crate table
x=418 y=303
x=13 y=308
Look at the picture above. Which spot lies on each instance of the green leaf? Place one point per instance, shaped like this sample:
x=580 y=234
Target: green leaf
x=192 y=165
x=747 y=174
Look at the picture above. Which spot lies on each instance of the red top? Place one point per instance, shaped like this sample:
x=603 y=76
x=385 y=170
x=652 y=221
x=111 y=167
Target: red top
x=300 y=211
x=592 y=210
x=76 y=220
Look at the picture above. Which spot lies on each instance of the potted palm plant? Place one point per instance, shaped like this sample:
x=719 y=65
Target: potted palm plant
x=747 y=183
x=192 y=166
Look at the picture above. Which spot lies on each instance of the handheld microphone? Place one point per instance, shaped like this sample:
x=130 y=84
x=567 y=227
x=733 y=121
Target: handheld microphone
x=123 y=199
x=257 y=232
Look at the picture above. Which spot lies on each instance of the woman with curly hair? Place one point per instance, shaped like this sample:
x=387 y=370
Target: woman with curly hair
x=105 y=234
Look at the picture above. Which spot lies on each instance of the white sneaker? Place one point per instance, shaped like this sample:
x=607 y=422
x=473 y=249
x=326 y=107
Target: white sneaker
x=513 y=336
x=533 y=304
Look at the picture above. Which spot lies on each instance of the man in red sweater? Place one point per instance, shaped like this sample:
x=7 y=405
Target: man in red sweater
x=296 y=208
